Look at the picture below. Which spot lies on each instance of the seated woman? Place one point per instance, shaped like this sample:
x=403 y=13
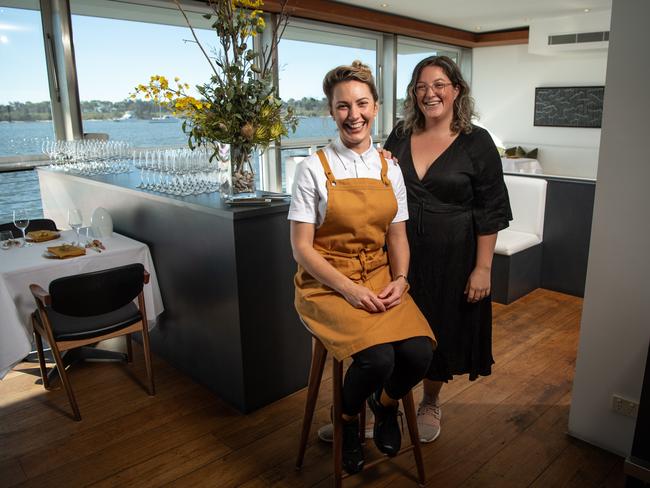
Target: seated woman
x=348 y=204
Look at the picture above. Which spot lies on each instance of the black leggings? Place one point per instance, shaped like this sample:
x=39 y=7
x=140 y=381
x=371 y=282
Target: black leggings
x=395 y=366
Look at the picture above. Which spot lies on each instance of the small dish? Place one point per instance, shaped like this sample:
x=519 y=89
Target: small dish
x=42 y=235
x=65 y=251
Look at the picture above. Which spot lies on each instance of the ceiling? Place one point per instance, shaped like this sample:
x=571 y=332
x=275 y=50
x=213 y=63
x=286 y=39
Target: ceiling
x=483 y=15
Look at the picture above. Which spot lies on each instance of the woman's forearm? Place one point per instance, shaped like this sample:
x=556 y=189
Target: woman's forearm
x=485 y=250
x=399 y=254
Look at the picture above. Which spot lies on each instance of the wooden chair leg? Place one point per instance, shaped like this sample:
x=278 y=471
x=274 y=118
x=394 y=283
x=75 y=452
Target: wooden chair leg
x=41 y=358
x=318 y=358
x=337 y=448
x=411 y=422
x=65 y=380
x=129 y=348
x=145 y=344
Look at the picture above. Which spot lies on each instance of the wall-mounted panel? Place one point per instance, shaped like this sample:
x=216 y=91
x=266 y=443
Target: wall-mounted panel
x=569 y=106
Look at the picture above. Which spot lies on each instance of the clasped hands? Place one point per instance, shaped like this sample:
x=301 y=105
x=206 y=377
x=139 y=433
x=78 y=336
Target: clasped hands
x=361 y=297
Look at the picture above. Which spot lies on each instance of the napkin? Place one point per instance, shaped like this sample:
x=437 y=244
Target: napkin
x=42 y=235
x=66 y=251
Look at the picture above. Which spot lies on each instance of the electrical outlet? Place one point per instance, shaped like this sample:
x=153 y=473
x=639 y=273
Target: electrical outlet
x=623 y=406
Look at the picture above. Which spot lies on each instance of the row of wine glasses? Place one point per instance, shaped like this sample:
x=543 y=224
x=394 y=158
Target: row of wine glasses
x=88 y=156
x=180 y=172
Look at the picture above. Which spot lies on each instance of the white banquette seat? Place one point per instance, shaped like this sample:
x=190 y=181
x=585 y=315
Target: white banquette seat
x=528 y=201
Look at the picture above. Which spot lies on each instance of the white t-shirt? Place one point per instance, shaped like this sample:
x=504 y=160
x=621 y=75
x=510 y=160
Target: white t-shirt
x=309 y=192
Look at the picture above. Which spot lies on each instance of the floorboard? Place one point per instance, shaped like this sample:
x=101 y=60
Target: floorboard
x=504 y=430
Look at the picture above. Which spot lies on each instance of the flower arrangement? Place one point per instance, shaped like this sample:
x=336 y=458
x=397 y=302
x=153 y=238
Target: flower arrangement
x=239 y=104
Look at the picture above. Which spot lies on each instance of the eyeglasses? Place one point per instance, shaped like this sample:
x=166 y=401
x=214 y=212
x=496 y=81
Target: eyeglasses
x=438 y=86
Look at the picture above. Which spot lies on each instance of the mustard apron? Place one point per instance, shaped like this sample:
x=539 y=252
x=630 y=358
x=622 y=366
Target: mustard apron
x=352 y=237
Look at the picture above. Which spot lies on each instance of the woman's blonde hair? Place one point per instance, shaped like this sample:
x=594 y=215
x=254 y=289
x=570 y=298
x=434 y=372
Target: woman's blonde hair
x=463 y=105
x=357 y=71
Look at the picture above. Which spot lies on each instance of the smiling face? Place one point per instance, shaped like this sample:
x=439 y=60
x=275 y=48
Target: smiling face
x=435 y=95
x=354 y=110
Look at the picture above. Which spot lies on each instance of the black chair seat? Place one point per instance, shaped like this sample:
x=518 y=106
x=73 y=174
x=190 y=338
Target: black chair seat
x=70 y=328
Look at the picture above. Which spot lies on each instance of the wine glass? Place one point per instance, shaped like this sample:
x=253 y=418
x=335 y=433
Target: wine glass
x=75 y=221
x=21 y=220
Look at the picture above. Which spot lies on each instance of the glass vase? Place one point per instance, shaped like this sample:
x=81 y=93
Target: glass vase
x=241 y=168
x=224 y=178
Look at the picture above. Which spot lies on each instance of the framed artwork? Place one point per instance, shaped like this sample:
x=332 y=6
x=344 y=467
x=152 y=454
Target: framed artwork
x=569 y=106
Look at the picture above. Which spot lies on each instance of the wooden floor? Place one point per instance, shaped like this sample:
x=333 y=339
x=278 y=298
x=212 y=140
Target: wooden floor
x=508 y=429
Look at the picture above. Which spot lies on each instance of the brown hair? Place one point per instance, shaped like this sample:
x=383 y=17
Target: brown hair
x=463 y=105
x=357 y=71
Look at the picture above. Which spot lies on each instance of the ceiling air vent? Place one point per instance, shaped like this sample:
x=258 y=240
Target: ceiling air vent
x=578 y=38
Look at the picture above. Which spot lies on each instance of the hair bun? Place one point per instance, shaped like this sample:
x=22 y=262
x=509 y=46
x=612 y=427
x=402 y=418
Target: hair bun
x=361 y=66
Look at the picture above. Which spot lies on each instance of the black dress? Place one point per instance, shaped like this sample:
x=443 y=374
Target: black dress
x=462 y=195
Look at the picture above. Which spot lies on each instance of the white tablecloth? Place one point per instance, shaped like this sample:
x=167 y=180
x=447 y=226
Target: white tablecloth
x=20 y=267
x=521 y=165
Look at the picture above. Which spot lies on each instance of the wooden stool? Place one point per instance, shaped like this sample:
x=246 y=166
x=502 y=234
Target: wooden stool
x=318 y=358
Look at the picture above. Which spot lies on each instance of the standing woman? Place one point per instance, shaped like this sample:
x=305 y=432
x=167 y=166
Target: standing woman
x=457 y=202
x=348 y=204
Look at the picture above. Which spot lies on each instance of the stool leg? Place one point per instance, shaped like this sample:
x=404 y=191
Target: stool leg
x=411 y=421
x=337 y=389
x=318 y=358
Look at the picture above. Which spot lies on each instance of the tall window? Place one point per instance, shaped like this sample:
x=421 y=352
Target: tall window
x=25 y=113
x=116 y=52
x=409 y=53
x=306 y=53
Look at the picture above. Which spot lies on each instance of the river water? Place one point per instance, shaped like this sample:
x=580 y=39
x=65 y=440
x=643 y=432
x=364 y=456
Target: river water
x=20 y=138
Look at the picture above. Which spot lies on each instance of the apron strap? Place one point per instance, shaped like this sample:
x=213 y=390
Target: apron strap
x=384 y=170
x=328 y=171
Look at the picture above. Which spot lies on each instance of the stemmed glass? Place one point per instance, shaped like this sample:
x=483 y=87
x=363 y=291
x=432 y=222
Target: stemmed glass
x=21 y=220
x=75 y=221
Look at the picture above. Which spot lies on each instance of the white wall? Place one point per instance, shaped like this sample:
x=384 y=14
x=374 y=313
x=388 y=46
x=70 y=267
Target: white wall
x=503 y=84
x=615 y=327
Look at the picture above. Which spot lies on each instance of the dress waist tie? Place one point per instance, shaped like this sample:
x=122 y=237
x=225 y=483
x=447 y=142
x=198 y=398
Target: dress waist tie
x=440 y=208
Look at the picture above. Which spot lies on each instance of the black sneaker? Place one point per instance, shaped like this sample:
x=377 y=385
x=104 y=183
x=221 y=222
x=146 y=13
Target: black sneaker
x=387 y=434
x=352 y=449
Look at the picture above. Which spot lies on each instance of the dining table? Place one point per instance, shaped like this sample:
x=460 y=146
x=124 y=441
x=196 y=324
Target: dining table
x=22 y=265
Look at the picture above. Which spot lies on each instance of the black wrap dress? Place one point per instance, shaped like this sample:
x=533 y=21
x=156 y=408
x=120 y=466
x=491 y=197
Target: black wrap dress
x=462 y=195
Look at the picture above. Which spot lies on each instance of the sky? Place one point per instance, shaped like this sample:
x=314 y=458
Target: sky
x=113 y=56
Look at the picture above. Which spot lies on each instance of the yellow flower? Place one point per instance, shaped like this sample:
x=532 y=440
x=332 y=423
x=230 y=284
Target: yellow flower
x=276 y=130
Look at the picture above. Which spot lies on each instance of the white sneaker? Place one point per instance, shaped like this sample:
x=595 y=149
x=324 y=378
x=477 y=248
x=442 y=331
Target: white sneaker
x=429 y=415
x=326 y=432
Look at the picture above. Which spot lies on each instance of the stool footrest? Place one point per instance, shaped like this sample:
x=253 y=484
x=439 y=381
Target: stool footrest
x=381 y=459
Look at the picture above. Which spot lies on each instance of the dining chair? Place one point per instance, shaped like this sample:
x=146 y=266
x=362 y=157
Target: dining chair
x=87 y=308
x=35 y=224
